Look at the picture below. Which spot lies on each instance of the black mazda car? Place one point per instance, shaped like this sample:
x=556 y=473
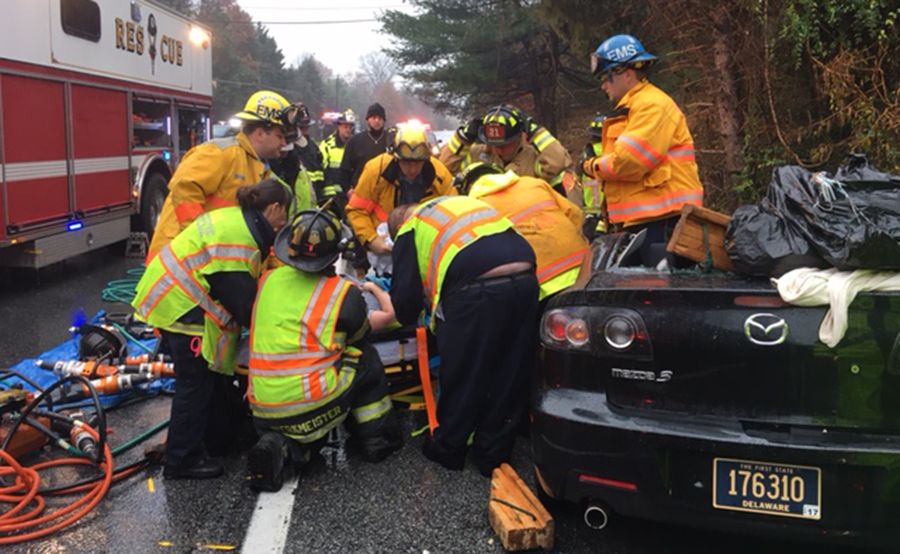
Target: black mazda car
x=703 y=399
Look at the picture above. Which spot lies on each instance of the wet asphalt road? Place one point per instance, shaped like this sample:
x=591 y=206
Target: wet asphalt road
x=405 y=504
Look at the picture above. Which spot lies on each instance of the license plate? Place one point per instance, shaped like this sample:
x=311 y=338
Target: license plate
x=767 y=488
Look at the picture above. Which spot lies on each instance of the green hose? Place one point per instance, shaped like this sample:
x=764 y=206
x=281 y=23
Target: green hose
x=140 y=438
x=122 y=330
x=122 y=290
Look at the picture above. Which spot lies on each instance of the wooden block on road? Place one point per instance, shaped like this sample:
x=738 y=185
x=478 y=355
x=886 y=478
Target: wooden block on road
x=516 y=515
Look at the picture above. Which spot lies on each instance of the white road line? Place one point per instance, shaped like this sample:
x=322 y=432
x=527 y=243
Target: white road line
x=271 y=519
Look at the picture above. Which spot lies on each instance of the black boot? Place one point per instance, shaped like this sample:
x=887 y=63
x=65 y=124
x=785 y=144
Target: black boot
x=266 y=462
x=450 y=460
x=204 y=468
x=377 y=448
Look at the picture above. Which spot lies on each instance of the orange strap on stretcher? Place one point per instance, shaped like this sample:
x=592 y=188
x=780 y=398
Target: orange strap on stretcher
x=425 y=376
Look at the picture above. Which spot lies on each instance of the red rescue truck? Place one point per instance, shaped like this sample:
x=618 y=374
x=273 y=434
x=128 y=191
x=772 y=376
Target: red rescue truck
x=98 y=101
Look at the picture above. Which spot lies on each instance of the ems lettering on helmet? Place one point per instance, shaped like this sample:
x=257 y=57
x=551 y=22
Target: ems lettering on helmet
x=267 y=111
x=622 y=52
x=264 y=111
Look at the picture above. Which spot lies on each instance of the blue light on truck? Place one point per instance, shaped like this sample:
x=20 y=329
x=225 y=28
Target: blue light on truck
x=167 y=155
x=74 y=225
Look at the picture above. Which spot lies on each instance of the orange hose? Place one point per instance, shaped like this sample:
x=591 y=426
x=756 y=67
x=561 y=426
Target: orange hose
x=24 y=491
x=425 y=376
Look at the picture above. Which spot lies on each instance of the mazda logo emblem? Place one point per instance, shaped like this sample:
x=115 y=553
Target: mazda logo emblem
x=766 y=329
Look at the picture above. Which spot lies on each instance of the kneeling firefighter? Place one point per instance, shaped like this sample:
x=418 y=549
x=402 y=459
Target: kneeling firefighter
x=198 y=291
x=308 y=369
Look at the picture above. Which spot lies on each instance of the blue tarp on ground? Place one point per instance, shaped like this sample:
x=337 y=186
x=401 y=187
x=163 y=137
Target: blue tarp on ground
x=68 y=350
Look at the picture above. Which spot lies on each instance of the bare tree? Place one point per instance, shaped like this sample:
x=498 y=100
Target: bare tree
x=376 y=69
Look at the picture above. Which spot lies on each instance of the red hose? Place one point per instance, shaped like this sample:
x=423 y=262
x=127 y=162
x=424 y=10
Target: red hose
x=24 y=492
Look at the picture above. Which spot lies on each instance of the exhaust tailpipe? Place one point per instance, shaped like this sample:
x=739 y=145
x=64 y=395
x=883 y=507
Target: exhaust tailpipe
x=596 y=515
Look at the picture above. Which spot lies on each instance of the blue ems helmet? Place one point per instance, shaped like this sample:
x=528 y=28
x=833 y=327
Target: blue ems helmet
x=620 y=51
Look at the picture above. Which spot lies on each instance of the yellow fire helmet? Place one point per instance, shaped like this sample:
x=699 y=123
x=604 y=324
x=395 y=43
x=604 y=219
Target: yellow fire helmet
x=268 y=106
x=410 y=143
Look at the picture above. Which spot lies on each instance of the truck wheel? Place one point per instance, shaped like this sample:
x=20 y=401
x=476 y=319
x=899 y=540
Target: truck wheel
x=153 y=196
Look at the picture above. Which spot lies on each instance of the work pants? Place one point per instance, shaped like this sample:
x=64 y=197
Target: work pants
x=487 y=343
x=364 y=406
x=200 y=411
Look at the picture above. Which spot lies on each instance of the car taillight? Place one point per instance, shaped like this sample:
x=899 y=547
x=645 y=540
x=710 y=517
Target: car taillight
x=577 y=332
x=555 y=325
x=619 y=333
x=603 y=330
x=566 y=328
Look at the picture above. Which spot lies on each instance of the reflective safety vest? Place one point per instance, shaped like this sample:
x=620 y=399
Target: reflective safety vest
x=443 y=227
x=301 y=197
x=295 y=350
x=175 y=281
x=550 y=223
x=592 y=189
x=332 y=154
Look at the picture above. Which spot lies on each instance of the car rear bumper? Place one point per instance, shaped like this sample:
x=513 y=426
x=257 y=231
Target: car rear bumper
x=660 y=468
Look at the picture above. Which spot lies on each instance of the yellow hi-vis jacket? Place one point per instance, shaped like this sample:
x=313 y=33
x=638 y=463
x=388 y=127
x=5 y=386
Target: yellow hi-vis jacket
x=647 y=167
x=550 y=223
x=442 y=228
x=378 y=190
x=175 y=281
x=543 y=157
x=299 y=361
x=207 y=178
x=332 y=154
x=295 y=350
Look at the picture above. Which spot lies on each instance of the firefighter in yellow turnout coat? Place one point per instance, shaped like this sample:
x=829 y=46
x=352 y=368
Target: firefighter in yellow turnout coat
x=647 y=166
x=506 y=137
x=309 y=372
x=408 y=174
x=548 y=221
x=210 y=174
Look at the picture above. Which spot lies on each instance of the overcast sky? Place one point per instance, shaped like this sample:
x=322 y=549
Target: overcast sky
x=337 y=45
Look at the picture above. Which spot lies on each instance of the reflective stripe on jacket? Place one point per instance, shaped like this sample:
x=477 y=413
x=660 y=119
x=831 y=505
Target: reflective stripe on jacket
x=648 y=168
x=295 y=351
x=206 y=179
x=544 y=157
x=443 y=227
x=378 y=190
x=549 y=222
x=175 y=280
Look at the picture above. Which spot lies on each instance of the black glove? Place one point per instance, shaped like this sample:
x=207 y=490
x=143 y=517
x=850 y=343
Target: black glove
x=469 y=132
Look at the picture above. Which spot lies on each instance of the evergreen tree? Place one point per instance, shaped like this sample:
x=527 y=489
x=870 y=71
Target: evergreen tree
x=467 y=55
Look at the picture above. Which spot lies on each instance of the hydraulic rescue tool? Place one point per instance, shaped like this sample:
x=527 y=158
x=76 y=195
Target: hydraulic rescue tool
x=28 y=438
x=91 y=369
x=26 y=417
x=107 y=385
